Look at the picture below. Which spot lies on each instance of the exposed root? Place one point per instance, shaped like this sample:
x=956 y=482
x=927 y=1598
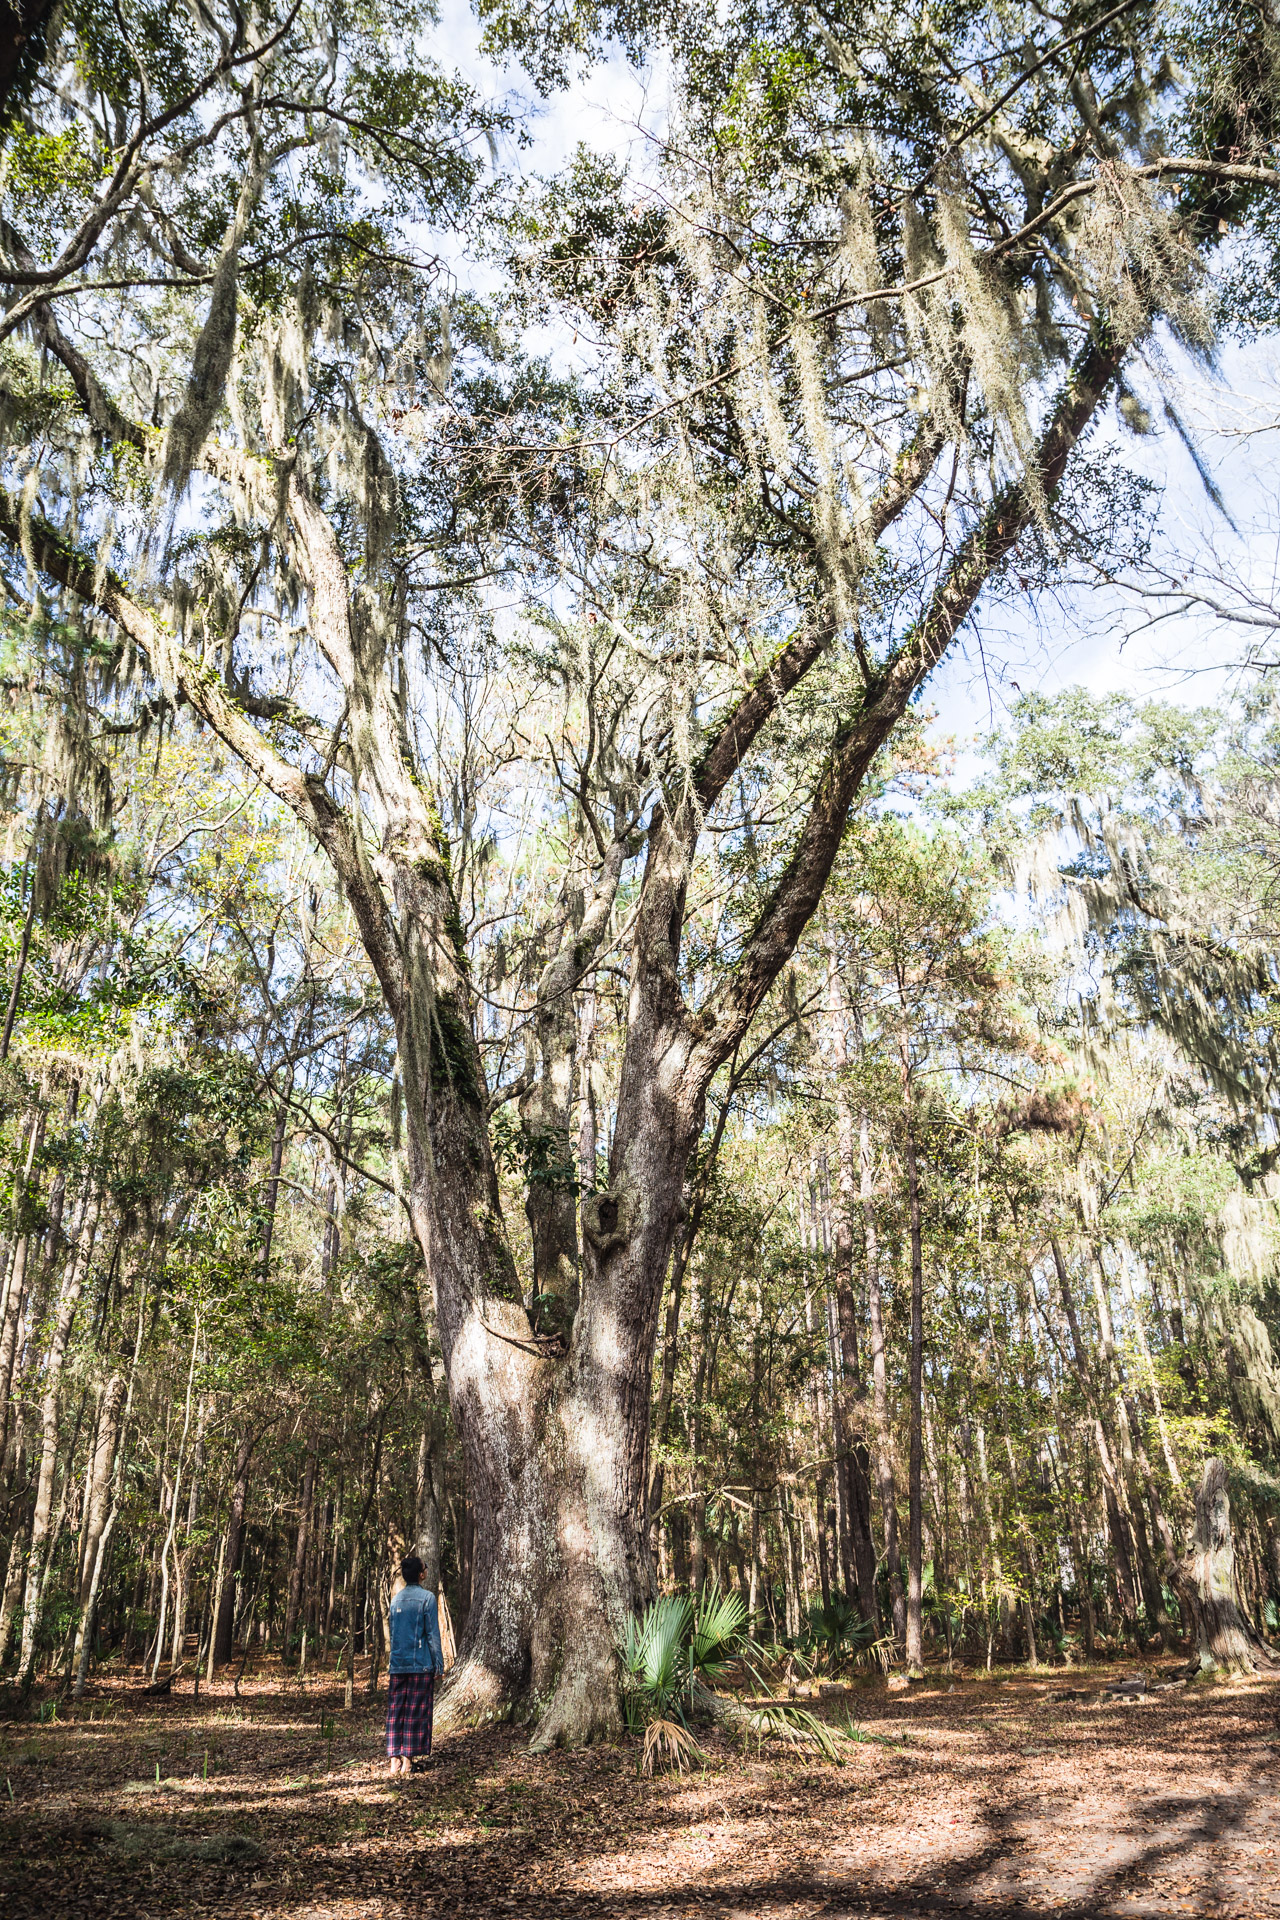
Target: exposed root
x=722 y=1710
x=472 y=1695
x=782 y=1720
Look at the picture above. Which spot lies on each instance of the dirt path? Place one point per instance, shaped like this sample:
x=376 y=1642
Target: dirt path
x=992 y=1798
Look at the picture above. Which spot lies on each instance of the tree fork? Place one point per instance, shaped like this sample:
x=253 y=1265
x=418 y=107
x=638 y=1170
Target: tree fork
x=555 y=1443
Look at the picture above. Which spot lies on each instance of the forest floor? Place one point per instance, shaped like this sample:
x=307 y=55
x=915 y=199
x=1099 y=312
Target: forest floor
x=968 y=1794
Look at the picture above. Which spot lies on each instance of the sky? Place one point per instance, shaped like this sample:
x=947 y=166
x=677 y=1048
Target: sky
x=1085 y=639
x=1111 y=645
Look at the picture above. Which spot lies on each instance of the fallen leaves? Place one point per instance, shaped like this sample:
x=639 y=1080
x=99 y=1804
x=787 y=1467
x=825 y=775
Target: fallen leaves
x=1012 y=1803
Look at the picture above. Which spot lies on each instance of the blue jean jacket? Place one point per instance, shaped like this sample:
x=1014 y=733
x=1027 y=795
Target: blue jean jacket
x=415 y=1633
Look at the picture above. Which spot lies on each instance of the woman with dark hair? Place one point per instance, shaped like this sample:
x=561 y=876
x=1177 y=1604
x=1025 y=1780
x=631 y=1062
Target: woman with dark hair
x=415 y=1661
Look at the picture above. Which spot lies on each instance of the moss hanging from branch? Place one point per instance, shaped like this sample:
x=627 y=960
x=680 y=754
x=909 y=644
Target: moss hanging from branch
x=215 y=346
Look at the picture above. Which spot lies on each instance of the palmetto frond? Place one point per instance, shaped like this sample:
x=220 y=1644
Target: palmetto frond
x=717 y=1622
x=667 y=1743
x=653 y=1649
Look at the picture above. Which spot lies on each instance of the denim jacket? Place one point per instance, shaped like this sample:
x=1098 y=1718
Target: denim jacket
x=415 y=1633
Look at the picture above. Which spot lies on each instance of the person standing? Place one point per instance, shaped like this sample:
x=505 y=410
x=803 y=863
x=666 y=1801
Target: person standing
x=415 y=1661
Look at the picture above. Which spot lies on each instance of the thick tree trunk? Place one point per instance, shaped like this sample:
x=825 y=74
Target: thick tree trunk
x=1223 y=1641
x=427 y=1531
x=666 y=1391
x=555 y=1461
x=554 y=1435
x=546 y=1114
x=466 y=1536
x=559 y=1550
x=546 y=1107
x=429 y=1483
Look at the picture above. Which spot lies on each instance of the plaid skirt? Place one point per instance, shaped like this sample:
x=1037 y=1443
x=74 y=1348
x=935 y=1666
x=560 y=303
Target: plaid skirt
x=409 y=1702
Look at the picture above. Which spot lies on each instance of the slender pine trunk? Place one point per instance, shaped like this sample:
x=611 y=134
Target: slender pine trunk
x=293 y=1605
x=880 y=1390
x=233 y=1552
x=50 y=1404
x=915 y=1531
x=852 y=1412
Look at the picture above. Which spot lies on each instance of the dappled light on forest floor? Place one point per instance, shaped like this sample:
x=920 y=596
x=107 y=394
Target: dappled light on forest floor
x=971 y=1794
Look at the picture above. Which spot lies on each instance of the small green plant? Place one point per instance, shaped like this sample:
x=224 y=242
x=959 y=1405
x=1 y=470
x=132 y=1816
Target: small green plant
x=653 y=1659
x=837 y=1628
x=676 y=1646
x=715 y=1633
x=849 y=1729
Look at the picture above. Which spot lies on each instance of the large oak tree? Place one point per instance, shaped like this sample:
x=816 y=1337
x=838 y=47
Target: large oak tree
x=840 y=356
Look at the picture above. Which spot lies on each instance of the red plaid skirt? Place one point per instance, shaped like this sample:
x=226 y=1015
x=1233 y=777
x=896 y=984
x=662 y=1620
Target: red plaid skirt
x=409 y=1702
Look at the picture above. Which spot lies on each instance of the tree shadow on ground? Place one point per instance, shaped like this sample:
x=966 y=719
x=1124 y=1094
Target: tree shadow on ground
x=994 y=1802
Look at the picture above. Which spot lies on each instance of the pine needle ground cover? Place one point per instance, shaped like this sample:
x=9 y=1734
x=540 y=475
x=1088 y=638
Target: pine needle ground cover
x=969 y=1794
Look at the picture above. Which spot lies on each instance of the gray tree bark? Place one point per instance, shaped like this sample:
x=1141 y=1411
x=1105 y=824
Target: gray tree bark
x=1223 y=1641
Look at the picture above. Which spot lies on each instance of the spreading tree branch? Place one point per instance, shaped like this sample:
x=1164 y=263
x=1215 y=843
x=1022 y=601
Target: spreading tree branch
x=799 y=888
x=742 y=726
